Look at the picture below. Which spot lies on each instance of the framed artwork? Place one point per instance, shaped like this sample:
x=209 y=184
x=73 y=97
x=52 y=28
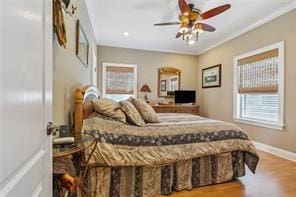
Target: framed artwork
x=163 y=85
x=82 y=45
x=211 y=77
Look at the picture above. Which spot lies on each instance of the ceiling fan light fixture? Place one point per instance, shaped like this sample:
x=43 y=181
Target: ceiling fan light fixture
x=188 y=36
x=183 y=30
x=190 y=24
x=194 y=15
x=197 y=31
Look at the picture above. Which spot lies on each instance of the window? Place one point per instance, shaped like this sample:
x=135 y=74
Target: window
x=259 y=87
x=174 y=85
x=119 y=81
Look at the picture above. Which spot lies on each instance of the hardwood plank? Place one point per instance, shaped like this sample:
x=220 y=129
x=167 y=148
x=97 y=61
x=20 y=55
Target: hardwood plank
x=275 y=177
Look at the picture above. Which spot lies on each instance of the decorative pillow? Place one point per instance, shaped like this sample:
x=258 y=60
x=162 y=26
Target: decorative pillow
x=109 y=108
x=146 y=111
x=132 y=114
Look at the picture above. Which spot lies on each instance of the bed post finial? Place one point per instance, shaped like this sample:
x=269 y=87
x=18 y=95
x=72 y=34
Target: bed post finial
x=78 y=112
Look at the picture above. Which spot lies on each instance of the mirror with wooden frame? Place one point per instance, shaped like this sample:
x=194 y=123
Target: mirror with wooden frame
x=168 y=81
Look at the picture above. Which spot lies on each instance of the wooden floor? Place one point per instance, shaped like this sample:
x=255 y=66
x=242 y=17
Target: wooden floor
x=275 y=177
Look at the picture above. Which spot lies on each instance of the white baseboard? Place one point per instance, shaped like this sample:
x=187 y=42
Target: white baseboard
x=275 y=151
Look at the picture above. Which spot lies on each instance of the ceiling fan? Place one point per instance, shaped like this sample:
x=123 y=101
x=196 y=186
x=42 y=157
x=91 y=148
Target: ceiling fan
x=189 y=21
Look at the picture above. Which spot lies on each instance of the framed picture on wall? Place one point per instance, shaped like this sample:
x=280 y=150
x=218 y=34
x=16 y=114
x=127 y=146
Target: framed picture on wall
x=211 y=77
x=82 y=45
x=163 y=85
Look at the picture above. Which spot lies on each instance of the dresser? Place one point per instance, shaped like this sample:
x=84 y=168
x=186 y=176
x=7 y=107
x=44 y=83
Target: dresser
x=171 y=108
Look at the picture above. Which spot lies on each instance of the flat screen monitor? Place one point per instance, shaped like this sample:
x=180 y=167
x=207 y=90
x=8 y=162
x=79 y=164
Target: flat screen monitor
x=185 y=96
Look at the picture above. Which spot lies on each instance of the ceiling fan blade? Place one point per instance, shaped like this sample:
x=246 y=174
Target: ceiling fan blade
x=179 y=35
x=205 y=27
x=165 y=24
x=215 y=11
x=184 y=7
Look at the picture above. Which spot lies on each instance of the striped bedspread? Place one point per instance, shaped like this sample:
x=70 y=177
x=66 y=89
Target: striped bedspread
x=178 y=137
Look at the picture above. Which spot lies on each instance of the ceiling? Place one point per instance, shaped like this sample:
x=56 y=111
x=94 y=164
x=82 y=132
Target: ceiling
x=111 y=18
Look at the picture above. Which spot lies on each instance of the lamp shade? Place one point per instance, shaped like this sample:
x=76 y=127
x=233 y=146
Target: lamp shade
x=145 y=88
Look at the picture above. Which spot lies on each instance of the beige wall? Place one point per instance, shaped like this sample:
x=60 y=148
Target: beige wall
x=217 y=102
x=69 y=72
x=148 y=63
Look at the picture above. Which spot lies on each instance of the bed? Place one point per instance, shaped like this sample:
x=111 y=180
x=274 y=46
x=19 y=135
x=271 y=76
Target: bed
x=181 y=152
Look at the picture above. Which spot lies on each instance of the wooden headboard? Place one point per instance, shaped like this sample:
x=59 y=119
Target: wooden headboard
x=83 y=105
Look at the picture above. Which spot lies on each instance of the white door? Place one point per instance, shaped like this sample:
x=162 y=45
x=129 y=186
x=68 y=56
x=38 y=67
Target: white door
x=25 y=97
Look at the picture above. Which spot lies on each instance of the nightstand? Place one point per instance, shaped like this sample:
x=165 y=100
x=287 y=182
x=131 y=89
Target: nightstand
x=66 y=156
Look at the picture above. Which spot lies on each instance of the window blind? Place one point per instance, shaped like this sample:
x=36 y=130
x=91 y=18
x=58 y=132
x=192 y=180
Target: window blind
x=259 y=73
x=119 y=80
x=263 y=107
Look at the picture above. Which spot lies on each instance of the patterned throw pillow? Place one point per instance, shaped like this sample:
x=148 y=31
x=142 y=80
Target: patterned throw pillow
x=146 y=111
x=109 y=108
x=132 y=114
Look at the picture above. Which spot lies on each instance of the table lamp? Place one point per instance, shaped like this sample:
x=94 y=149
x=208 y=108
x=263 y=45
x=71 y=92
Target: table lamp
x=145 y=88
